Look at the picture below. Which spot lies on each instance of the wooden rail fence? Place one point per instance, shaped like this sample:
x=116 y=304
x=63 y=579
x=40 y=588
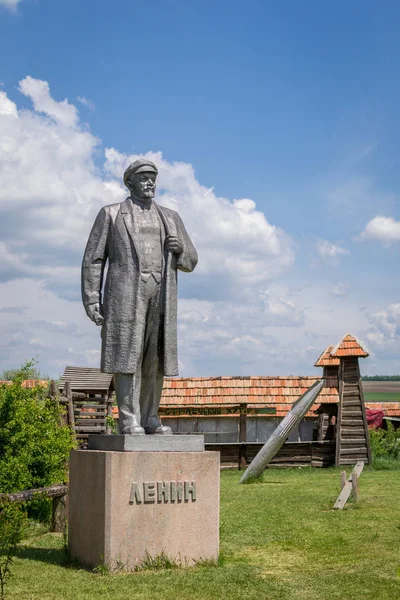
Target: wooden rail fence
x=59 y=495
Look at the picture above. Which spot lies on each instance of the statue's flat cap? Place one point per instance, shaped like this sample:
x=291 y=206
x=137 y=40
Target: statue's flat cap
x=140 y=166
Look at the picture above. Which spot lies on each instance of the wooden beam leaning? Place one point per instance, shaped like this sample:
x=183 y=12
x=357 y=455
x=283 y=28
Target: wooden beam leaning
x=349 y=486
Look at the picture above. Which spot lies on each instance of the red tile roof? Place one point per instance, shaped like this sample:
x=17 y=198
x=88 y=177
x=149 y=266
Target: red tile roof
x=391 y=409
x=349 y=346
x=270 y=392
x=326 y=360
x=28 y=383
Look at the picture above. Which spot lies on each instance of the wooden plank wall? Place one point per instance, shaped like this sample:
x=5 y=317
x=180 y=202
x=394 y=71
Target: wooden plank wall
x=292 y=454
x=87 y=413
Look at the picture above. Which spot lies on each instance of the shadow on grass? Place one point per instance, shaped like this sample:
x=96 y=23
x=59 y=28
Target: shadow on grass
x=60 y=557
x=257 y=481
x=51 y=556
x=266 y=482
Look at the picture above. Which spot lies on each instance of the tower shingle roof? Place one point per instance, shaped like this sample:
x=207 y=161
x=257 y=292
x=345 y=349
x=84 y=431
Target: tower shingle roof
x=349 y=346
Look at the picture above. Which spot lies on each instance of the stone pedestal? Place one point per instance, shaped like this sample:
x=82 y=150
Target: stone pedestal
x=146 y=443
x=126 y=505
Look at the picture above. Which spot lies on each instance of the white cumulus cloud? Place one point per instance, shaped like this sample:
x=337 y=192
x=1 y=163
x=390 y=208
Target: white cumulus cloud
x=382 y=229
x=51 y=190
x=234 y=239
x=39 y=92
x=340 y=289
x=11 y=5
x=330 y=252
x=7 y=108
x=238 y=315
x=383 y=335
x=385 y=324
x=88 y=103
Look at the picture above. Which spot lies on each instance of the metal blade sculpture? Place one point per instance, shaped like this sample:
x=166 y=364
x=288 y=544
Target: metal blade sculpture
x=278 y=437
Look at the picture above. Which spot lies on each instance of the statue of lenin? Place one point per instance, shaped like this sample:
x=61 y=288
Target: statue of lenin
x=144 y=244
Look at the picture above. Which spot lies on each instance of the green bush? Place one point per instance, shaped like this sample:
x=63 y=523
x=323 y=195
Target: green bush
x=385 y=443
x=34 y=447
x=12 y=526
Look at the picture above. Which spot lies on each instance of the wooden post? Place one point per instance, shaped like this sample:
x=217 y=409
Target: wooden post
x=354 y=486
x=242 y=436
x=68 y=395
x=343 y=479
x=71 y=417
x=53 y=389
x=348 y=486
x=339 y=416
x=320 y=431
x=53 y=395
x=364 y=415
x=109 y=412
x=59 y=514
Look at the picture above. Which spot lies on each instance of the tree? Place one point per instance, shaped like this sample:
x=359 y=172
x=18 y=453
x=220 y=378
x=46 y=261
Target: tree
x=34 y=446
x=30 y=372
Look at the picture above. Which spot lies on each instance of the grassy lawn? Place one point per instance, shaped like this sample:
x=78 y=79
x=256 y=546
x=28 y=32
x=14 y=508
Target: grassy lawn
x=280 y=540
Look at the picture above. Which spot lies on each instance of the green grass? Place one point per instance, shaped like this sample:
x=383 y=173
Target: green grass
x=386 y=463
x=382 y=396
x=281 y=540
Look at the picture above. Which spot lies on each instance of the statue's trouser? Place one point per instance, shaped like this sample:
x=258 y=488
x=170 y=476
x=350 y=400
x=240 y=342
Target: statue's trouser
x=139 y=394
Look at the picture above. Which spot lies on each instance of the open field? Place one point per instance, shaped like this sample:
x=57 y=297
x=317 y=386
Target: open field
x=280 y=540
x=381 y=391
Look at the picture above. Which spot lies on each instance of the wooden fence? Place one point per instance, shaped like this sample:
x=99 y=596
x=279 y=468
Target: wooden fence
x=59 y=495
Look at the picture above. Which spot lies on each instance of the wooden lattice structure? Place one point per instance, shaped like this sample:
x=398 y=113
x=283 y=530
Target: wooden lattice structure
x=88 y=395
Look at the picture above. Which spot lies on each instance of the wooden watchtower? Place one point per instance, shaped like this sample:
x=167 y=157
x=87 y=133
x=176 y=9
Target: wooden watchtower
x=341 y=363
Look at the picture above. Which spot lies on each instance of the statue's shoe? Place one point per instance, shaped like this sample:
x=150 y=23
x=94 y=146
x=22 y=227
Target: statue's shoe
x=160 y=430
x=153 y=426
x=163 y=430
x=134 y=430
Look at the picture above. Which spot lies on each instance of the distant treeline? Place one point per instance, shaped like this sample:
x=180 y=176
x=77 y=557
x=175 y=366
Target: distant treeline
x=381 y=378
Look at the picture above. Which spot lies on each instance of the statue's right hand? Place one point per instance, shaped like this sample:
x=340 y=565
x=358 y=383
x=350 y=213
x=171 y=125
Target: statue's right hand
x=95 y=313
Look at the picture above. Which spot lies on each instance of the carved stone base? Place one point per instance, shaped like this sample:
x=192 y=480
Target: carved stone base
x=126 y=505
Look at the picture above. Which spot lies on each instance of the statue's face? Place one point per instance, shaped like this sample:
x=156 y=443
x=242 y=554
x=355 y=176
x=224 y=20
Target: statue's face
x=144 y=185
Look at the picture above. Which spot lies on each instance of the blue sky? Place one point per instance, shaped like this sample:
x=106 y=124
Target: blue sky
x=293 y=105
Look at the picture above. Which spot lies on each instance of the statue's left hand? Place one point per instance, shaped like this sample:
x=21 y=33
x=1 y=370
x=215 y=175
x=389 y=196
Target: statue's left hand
x=173 y=244
x=95 y=313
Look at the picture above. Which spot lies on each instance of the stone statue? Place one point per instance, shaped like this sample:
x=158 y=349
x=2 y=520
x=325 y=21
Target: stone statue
x=144 y=245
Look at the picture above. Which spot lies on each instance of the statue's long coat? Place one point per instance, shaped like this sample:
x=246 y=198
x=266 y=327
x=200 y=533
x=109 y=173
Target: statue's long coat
x=113 y=238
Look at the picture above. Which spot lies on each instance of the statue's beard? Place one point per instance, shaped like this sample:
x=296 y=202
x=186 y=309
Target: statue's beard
x=145 y=194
